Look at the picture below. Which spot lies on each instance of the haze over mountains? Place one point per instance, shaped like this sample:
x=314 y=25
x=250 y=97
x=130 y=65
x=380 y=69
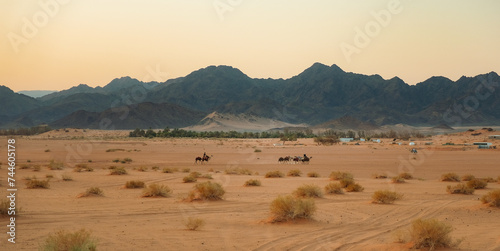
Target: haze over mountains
x=315 y=97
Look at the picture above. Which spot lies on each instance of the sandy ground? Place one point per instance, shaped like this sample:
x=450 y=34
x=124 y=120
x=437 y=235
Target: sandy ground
x=123 y=220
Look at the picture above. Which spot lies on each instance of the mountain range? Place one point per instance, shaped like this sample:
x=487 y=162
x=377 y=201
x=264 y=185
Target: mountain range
x=316 y=97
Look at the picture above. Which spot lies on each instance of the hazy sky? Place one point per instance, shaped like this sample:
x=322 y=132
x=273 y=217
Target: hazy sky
x=59 y=44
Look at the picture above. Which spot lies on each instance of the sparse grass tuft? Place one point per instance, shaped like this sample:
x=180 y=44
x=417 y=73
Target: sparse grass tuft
x=118 y=171
x=80 y=240
x=406 y=176
x=66 y=177
x=114 y=150
x=83 y=168
x=93 y=191
x=274 y=174
x=47 y=150
x=36 y=168
x=142 y=169
x=492 y=198
x=127 y=160
x=334 y=188
x=49 y=176
x=195 y=174
x=257 y=151
x=194 y=223
x=54 y=165
x=186 y=170
x=206 y=191
x=294 y=173
x=34 y=184
x=170 y=170
x=238 y=171
x=252 y=183
x=346 y=182
x=468 y=177
x=308 y=191
x=397 y=179
x=155 y=168
x=489 y=180
x=189 y=179
x=206 y=176
x=341 y=176
x=313 y=175
x=134 y=184
x=286 y=208
x=450 y=177
x=385 y=197
x=24 y=166
x=354 y=188
x=156 y=190
x=430 y=234
x=116 y=160
x=460 y=189
x=379 y=176
x=477 y=184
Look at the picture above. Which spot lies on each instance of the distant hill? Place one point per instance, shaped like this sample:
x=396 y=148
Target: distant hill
x=321 y=95
x=345 y=123
x=35 y=93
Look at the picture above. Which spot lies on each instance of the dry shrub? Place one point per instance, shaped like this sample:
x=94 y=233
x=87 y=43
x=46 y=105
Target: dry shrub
x=49 y=176
x=195 y=174
x=334 y=188
x=142 y=169
x=430 y=233
x=477 y=184
x=63 y=240
x=379 y=176
x=170 y=170
x=156 y=190
x=313 y=175
x=406 y=176
x=354 y=188
x=492 y=198
x=36 y=168
x=24 y=166
x=207 y=176
x=308 y=191
x=341 y=176
x=34 y=184
x=397 y=180
x=66 y=177
x=83 y=168
x=294 y=173
x=468 y=177
x=134 y=184
x=274 y=174
x=186 y=170
x=55 y=165
x=489 y=180
x=118 y=171
x=206 y=191
x=127 y=160
x=386 y=197
x=450 y=177
x=255 y=183
x=155 y=168
x=114 y=150
x=238 y=171
x=93 y=191
x=345 y=182
x=285 y=208
x=189 y=179
x=460 y=189
x=194 y=223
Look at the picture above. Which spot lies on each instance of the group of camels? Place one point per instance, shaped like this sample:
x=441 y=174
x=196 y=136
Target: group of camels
x=288 y=159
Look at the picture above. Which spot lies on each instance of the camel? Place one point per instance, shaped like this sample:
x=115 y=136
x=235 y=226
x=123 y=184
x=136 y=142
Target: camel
x=202 y=159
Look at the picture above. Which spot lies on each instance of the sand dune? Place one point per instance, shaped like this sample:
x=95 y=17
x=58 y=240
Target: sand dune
x=123 y=220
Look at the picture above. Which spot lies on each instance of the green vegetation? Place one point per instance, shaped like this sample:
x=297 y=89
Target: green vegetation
x=25 y=131
x=181 y=133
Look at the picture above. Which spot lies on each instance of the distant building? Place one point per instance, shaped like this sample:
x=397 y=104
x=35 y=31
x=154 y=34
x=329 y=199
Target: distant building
x=362 y=140
x=482 y=144
x=376 y=140
x=346 y=139
x=411 y=143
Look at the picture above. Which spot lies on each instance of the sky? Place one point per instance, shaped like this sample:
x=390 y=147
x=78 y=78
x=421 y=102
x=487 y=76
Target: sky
x=57 y=44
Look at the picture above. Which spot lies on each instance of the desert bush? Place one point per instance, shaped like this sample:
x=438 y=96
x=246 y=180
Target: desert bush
x=206 y=191
x=118 y=171
x=346 y=182
x=488 y=180
x=398 y=179
x=334 y=188
x=355 y=187
x=308 y=191
x=341 y=175
x=155 y=168
x=207 y=176
x=142 y=169
x=186 y=170
x=49 y=176
x=194 y=223
x=116 y=160
x=35 y=183
x=4 y=208
x=55 y=165
x=156 y=190
x=313 y=175
x=92 y=191
x=450 y=177
x=195 y=174
x=498 y=180
x=36 y=168
x=274 y=174
x=114 y=150
x=385 y=197
x=47 y=150
x=189 y=179
x=127 y=160
x=252 y=183
x=169 y=170
x=80 y=240
x=430 y=233
x=66 y=177
x=257 y=151
x=83 y=168
x=477 y=184
x=285 y=208
x=294 y=173
x=468 y=177
x=406 y=176
x=238 y=171
x=24 y=166
x=492 y=198
x=134 y=184
x=460 y=189
x=379 y=176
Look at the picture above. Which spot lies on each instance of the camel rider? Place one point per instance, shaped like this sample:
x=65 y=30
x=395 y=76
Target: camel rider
x=204 y=155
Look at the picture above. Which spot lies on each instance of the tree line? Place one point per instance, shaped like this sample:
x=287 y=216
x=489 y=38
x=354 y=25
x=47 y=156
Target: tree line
x=25 y=131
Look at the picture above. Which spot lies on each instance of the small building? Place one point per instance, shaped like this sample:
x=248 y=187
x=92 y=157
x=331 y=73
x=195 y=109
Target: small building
x=482 y=144
x=362 y=140
x=411 y=143
x=346 y=139
x=494 y=137
x=376 y=140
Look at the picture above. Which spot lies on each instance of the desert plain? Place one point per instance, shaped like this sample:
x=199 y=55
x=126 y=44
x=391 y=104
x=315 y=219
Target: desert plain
x=124 y=220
